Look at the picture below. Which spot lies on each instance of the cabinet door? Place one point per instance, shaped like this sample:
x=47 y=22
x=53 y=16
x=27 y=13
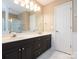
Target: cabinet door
x=46 y=42
x=36 y=54
x=12 y=54
x=36 y=44
x=44 y=45
x=26 y=53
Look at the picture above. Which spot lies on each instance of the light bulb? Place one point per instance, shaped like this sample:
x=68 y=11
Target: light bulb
x=16 y=1
x=38 y=8
x=27 y=6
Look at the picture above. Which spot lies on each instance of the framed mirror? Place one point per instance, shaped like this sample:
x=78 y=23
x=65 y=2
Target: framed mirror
x=21 y=16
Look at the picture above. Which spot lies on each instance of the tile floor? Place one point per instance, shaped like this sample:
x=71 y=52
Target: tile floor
x=50 y=54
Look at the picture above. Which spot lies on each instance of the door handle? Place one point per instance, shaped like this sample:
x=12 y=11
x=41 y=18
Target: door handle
x=22 y=48
x=57 y=31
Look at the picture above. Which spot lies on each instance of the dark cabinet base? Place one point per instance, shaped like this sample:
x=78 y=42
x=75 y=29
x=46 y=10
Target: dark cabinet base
x=27 y=48
x=12 y=54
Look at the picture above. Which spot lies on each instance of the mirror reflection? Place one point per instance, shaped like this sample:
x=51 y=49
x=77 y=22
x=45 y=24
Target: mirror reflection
x=21 y=16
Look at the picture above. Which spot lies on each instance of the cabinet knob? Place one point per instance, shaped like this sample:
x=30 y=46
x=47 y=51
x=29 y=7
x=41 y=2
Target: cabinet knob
x=57 y=31
x=19 y=49
x=22 y=48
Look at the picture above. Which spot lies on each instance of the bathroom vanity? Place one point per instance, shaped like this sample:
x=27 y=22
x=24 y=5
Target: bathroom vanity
x=29 y=48
x=18 y=25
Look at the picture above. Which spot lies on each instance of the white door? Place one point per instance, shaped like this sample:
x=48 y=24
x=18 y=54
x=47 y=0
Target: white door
x=63 y=24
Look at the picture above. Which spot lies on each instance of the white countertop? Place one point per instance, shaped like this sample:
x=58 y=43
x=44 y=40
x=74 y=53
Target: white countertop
x=21 y=36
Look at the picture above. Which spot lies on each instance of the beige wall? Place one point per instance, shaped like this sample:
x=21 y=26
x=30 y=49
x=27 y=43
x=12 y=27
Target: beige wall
x=40 y=22
x=24 y=16
x=48 y=13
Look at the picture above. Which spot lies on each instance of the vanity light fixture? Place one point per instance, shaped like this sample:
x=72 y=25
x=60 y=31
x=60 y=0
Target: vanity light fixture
x=28 y=5
x=16 y=1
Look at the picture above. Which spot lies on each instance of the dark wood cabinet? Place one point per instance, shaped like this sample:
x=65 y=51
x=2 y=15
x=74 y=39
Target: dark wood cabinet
x=26 y=53
x=27 y=48
x=12 y=54
x=17 y=50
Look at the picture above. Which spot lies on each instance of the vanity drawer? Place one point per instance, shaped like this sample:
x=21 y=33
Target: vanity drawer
x=36 y=47
x=37 y=53
x=36 y=44
x=10 y=45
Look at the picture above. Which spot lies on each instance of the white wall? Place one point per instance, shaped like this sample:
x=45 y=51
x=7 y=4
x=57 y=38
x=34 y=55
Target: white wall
x=74 y=44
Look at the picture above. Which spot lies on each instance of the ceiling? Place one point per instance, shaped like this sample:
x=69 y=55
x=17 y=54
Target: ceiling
x=45 y=2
